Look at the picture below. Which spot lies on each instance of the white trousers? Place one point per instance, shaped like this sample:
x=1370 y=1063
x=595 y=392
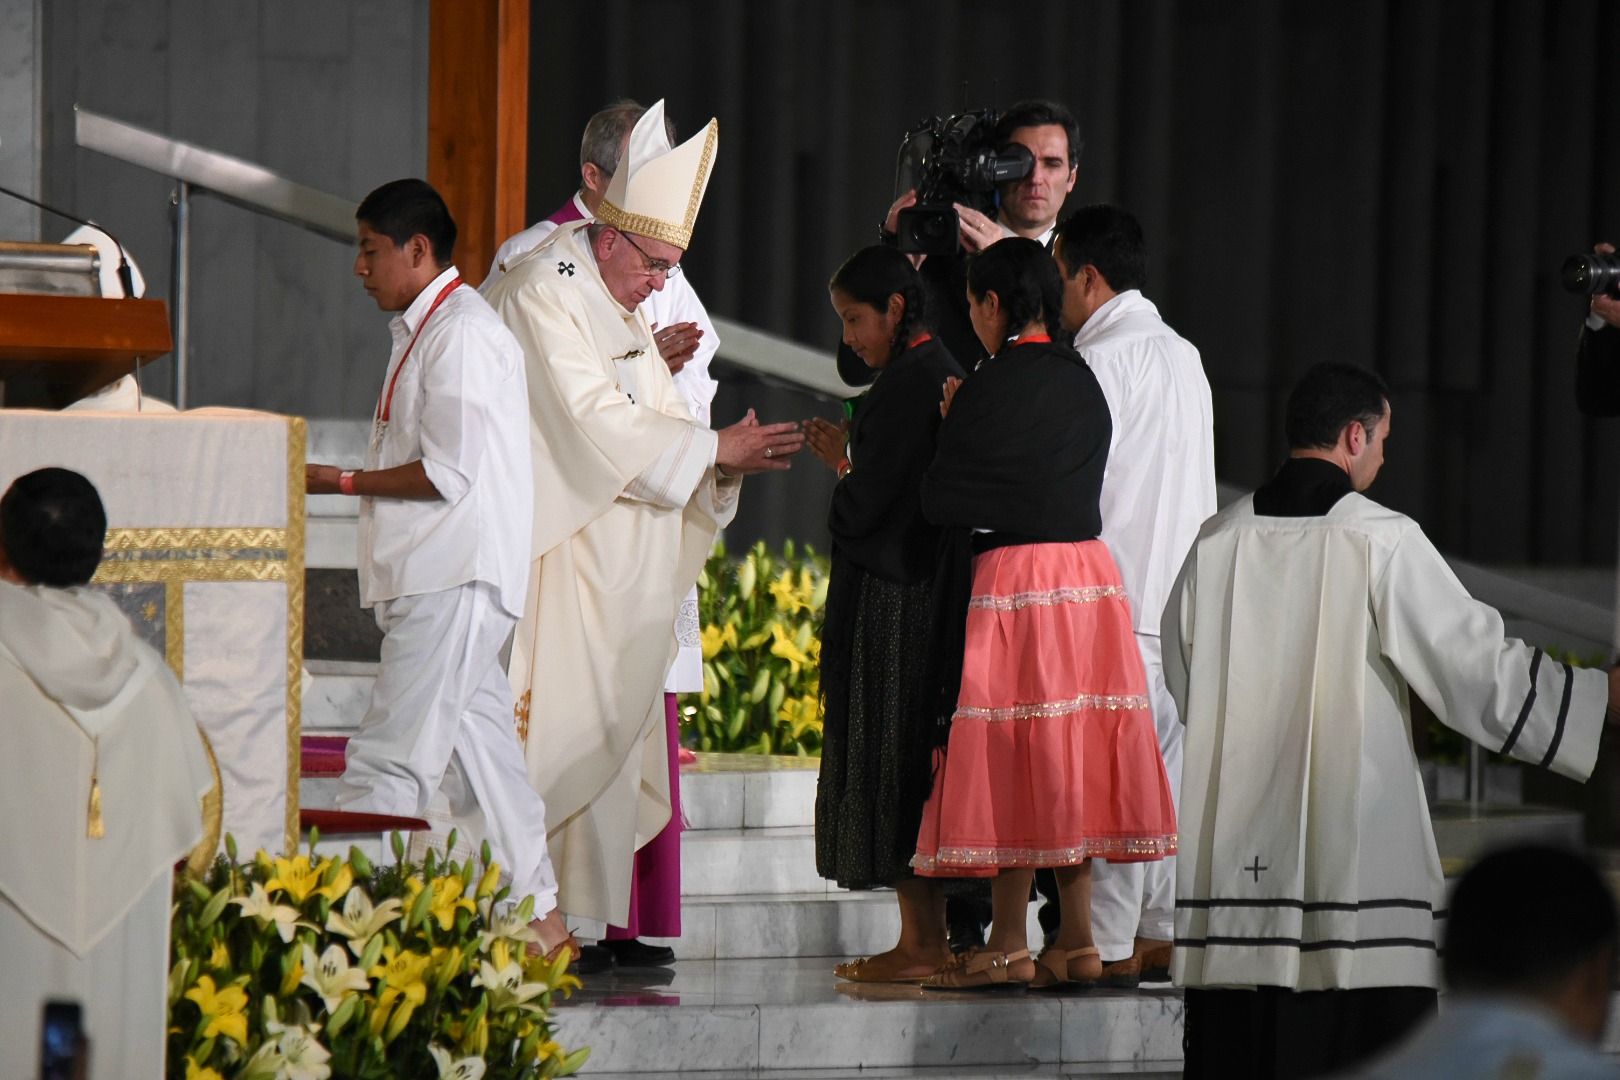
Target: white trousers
x=441 y=718
x=1139 y=899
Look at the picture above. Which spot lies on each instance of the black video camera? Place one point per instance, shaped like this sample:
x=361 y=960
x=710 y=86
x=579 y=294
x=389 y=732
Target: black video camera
x=948 y=160
x=1592 y=274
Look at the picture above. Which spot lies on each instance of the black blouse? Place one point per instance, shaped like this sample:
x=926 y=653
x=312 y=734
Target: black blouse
x=1024 y=448
x=876 y=518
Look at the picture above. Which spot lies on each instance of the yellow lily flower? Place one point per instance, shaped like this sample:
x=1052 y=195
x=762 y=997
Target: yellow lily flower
x=715 y=638
x=402 y=972
x=198 y=1072
x=219 y=958
x=447 y=899
x=786 y=593
x=782 y=645
x=221 y=1009
x=295 y=877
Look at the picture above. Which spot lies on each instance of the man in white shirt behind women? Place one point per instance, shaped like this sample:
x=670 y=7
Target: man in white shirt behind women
x=445 y=514
x=1158 y=488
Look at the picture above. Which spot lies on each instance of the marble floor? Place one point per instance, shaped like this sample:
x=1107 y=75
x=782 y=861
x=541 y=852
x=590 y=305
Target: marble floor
x=720 y=1016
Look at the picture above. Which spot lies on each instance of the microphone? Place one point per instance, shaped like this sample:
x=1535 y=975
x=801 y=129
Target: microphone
x=126 y=277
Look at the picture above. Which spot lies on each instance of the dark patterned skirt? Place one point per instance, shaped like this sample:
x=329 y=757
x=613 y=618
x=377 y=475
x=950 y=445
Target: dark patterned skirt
x=876 y=752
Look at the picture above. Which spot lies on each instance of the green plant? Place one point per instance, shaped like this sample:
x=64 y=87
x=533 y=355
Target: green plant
x=306 y=968
x=761 y=617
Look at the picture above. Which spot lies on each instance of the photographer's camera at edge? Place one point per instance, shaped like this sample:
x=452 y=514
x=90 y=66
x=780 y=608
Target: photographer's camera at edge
x=1597 y=354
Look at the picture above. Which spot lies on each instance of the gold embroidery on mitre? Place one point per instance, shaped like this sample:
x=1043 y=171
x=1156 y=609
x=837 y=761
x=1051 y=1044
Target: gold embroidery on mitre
x=700 y=182
x=642 y=225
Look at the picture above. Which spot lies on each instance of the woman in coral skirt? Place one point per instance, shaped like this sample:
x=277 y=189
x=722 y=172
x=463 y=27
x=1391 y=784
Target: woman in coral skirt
x=1051 y=757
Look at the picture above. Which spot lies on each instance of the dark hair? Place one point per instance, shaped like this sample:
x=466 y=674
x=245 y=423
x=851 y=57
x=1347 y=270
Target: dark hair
x=1108 y=238
x=52 y=526
x=872 y=275
x=1524 y=918
x=1328 y=397
x=605 y=132
x=401 y=209
x=1039 y=112
x=1020 y=272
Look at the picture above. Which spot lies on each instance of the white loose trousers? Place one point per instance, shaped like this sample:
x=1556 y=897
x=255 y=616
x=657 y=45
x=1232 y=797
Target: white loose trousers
x=1129 y=900
x=441 y=718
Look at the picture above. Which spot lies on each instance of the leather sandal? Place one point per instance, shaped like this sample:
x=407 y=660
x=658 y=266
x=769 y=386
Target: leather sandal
x=865 y=970
x=570 y=943
x=981 y=970
x=1155 y=961
x=1067 y=969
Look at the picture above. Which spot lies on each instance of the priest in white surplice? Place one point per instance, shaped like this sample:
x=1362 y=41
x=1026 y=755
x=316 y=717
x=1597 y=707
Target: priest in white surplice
x=629 y=492
x=101 y=796
x=1309 y=895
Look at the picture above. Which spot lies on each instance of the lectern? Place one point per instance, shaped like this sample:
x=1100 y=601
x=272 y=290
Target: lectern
x=54 y=350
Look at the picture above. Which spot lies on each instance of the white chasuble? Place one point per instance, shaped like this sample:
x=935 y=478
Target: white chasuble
x=626 y=506
x=1307 y=857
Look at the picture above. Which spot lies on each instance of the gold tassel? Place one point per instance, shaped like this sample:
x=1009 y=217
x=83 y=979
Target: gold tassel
x=98 y=828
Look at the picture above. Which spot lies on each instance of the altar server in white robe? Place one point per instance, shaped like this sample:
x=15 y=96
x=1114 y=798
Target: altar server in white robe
x=629 y=491
x=443 y=560
x=1157 y=490
x=687 y=342
x=102 y=794
x=1309 y=895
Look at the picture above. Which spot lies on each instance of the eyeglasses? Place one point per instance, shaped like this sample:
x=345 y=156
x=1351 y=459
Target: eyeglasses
x=654 y=266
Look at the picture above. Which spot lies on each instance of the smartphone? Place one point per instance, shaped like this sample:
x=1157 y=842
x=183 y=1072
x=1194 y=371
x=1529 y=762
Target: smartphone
x=63 y=1046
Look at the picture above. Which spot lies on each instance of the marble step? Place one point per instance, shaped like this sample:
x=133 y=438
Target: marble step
x=825 y=924
x=724 y=1015
x=746 y=862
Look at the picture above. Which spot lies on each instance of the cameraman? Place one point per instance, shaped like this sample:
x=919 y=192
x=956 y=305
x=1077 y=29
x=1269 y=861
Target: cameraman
x=1027 y=207
x=1597 y=357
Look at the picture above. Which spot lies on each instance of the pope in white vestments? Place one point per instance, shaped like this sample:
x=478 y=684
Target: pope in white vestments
x=102 y=797
x=628 y=496
x=1304 y=617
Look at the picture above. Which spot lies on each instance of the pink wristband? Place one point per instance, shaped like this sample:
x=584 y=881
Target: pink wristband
x=346 y=481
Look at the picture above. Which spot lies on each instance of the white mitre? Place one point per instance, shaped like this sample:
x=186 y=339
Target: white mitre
x=656 y=190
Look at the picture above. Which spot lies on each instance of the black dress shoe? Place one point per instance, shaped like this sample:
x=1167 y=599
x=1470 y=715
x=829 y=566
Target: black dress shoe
x=594 y=959
x=633 y=952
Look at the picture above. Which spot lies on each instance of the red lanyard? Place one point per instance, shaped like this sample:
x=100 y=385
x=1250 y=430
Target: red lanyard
x=1031 y=339
x=386 y=404
x=918 y=340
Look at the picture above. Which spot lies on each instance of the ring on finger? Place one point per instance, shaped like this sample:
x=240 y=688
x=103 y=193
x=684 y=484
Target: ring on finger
x=769 y=452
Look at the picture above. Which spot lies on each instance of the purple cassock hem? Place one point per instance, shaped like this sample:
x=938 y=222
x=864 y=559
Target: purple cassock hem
x=655 y=885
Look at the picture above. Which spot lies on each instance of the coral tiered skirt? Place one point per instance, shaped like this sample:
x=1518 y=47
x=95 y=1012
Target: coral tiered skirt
x=1052 y=757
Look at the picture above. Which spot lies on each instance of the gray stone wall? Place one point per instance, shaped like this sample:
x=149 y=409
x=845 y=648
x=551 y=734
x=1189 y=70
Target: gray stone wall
x=333 y=95
x=20 y=115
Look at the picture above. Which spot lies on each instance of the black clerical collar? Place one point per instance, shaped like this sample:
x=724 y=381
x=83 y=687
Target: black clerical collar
x=1303 y=487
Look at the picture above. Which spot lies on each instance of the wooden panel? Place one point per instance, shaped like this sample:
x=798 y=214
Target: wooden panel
x=478 y=116
x=56 y=349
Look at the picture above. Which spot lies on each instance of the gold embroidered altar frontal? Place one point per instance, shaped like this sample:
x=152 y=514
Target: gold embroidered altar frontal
x=205 y=554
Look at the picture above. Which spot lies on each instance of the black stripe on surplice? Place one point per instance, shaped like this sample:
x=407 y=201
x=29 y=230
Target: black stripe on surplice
x=1529 y=702
x=1308 y=946
x=1308 y=906
x=1563 y=713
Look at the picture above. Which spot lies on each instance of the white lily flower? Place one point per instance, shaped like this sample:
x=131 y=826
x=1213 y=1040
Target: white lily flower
x=467 y=1068
x=302 y=1057
x=503 y=922
x=331 y=976
x=360 y=922
x=258 y=904
x=506 y=986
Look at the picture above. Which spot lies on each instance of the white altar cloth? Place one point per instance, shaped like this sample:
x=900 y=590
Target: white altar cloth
x=205 y=552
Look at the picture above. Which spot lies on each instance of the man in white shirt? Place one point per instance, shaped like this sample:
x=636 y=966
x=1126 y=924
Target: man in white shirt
x=445 y=514
x=687 y=342
x=1529 y=963
x=1309 y=896
x=1158 y=489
